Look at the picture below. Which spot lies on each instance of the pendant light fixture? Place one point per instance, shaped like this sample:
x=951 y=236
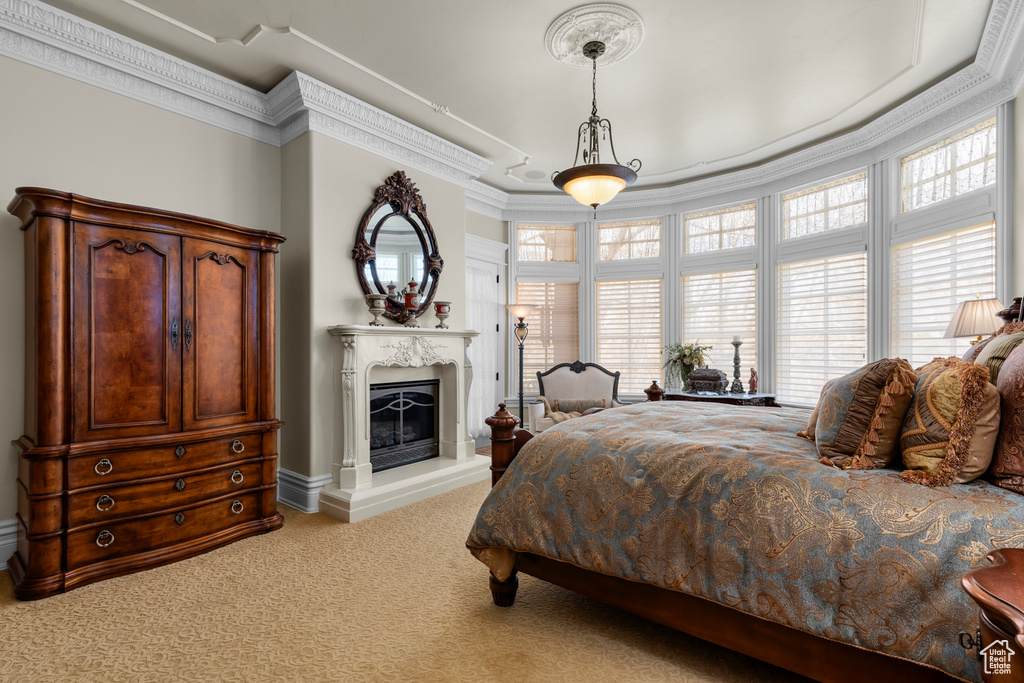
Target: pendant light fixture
x=593 y=183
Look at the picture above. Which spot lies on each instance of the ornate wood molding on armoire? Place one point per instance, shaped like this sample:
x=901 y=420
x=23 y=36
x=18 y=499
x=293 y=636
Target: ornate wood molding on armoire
x=150 y=427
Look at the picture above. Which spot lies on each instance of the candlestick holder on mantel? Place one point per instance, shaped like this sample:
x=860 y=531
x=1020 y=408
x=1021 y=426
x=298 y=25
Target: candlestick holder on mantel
x=737 y=384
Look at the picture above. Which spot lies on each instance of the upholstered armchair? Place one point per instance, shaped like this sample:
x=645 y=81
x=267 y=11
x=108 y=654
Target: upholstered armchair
x=569 y=389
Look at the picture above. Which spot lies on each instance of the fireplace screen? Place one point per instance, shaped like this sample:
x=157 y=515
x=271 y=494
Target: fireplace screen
x=403 y=423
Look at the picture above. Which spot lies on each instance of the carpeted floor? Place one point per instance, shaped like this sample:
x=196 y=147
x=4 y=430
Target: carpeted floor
x=394 y=598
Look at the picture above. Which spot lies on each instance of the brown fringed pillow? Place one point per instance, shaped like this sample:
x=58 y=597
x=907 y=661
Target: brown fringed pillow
x=1007 y=469
x=860 y=415
x=951 y=428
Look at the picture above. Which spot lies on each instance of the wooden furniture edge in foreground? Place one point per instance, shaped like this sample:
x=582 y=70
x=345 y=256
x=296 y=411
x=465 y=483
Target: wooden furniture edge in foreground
x=998 y=589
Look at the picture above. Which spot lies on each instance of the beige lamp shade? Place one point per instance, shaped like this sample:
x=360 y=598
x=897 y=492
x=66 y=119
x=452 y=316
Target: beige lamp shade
x=976 y=317
x=520 y=311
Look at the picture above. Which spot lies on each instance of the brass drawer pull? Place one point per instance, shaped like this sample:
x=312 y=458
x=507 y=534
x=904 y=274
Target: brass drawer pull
x=237 y=446
x=103 y=467
x=104 y=538
x=179 y=451
x=104 y=503
x=237 y=507
x=179 y=518
x=179 y=485
x=237 y=477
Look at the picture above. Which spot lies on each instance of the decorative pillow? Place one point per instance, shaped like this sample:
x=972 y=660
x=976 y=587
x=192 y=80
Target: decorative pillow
x=860 y=415
x=813 y=420
x=571 y=405
x=1007 y=468
x=995 y=352
x=972 y=353
x=951 y=429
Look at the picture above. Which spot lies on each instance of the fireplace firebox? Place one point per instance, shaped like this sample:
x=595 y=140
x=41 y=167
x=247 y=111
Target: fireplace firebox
x=403 y=423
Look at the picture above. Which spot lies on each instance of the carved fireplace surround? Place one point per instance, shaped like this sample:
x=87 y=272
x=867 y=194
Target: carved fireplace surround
x=365 y=355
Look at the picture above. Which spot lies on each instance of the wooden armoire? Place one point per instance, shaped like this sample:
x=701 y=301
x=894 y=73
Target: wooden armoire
x=150 y=427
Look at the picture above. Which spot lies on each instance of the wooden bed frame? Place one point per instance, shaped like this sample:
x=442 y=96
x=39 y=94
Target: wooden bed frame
x=998 y=590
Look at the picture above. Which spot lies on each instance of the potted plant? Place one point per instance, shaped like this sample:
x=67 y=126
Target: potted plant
x=681 y=359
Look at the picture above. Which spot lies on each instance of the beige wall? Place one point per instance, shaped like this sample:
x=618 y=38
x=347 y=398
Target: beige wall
x=58 y=133
x=325 y=200
x=485 y=226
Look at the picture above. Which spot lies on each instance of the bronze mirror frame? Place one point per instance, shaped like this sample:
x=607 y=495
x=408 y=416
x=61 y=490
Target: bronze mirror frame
x=401 y=194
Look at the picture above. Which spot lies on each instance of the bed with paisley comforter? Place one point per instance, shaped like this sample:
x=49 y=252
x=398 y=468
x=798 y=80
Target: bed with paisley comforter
x=727 y=505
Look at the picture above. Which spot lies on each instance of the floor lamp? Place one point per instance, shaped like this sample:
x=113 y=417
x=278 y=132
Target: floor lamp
x=520 y=311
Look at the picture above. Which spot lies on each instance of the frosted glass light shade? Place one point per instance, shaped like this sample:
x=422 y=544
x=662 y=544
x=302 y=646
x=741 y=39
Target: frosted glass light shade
x=594 y=184
x=519 y=311
x=975 y=317
x=594 y=190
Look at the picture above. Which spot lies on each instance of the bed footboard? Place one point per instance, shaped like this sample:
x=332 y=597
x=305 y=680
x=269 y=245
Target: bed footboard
x=999 y=592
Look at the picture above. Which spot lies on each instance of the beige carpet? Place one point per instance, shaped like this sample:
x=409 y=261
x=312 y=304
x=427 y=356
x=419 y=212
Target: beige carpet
x=393 y=598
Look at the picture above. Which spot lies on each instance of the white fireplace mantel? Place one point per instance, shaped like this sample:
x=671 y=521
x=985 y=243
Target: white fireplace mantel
x=365 y=355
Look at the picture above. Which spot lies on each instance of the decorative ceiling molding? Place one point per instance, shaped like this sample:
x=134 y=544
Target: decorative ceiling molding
x=37 y=34
x=331 y=112
x=262 y=29
x=43 y=36
x=619 y=28
x=995 y=77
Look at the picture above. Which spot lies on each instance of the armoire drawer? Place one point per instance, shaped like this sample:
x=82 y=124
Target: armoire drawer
x=118 y=539
x=105 y=468
x=115 y=502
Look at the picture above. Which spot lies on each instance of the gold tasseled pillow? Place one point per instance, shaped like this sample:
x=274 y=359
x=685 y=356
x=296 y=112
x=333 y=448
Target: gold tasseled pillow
x=995 y=352
x=950 y=431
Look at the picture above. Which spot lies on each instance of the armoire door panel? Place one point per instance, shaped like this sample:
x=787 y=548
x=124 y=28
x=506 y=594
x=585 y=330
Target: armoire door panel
x=220 y=291
x=127 y=371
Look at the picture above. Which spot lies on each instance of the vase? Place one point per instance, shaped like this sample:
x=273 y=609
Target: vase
x=442 y=309
x=377 y=305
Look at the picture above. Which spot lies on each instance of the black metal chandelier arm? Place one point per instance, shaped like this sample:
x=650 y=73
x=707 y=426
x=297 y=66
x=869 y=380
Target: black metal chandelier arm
x=607 y=126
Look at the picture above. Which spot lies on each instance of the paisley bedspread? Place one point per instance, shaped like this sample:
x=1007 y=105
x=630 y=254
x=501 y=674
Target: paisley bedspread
x=727 y=503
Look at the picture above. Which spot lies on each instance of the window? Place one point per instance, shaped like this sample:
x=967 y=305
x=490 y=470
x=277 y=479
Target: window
x=554 y=328
x=839 y=204
x=717 y=307
x=629 y=331
x=821 y=324
x=958 y=164
x=546 y=242
x=629 y=240
x=720 y=229
x=930 y=277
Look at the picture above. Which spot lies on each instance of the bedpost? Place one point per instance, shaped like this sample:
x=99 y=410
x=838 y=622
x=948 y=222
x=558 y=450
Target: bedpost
x=506 y=441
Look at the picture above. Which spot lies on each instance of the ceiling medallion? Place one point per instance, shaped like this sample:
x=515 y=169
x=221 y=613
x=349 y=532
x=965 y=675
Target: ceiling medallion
x=619 y=28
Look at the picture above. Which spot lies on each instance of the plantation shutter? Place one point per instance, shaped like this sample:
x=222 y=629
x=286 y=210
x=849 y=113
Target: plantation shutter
x=554 y=329
x=629 y=331
x=821 y=324
x=930 y=277
x=717 y=307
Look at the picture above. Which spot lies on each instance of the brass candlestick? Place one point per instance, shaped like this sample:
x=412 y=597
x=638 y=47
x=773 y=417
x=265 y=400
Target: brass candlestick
x=737 y=385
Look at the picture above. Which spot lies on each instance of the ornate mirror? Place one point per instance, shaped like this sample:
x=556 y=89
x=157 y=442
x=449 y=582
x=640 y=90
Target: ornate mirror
x=396 y=248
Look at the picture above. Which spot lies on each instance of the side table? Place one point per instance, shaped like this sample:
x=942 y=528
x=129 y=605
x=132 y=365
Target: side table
x=760 y=400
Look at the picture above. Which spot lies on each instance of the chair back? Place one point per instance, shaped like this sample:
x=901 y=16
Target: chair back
x=579 y=381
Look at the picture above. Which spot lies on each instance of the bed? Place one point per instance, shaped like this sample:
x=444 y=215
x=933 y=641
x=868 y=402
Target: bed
x=720 y=522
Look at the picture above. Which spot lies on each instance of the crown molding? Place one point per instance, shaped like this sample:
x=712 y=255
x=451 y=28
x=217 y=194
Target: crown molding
x=995 y=77
x=37 y=34
x=301 y=103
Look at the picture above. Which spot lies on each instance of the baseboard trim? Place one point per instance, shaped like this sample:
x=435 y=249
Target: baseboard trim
x=299 y=491
x=8 y=540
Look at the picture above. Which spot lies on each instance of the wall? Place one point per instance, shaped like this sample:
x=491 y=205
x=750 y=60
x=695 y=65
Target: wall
x=58 y=133
x=1018 y=196
x=485 y=226
x=341 y=181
